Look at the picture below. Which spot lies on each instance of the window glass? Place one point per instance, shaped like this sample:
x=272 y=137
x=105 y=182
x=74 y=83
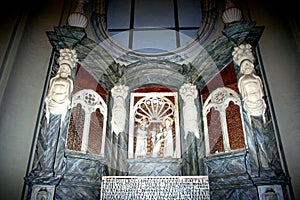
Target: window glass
x=189 y=13
x=153 y=13
x=143 y=40
x=119 y=14
x=153 y=25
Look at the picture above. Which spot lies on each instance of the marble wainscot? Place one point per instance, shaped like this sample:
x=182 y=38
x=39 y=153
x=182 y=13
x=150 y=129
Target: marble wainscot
x=155 y=167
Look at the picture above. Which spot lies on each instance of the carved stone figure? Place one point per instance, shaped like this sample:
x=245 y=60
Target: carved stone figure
x=118 y=121
x=141 y=138
x=157 y=140
x=249 y=84
x=58 y=99
x=188 y=93
x=251 y=88
x=168 y=135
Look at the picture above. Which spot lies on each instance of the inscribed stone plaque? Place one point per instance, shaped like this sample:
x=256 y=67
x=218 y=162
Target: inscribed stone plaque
x=155 y=187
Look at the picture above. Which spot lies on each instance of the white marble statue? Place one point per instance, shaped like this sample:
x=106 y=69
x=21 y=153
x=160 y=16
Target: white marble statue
x=249 y=84
x=157 y=139
x=58 y=99
x=188 y=93
x=168 y=135
x=118 y=121
x=141 y=138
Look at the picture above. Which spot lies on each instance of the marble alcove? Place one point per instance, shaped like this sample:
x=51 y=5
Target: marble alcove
x=107 y=89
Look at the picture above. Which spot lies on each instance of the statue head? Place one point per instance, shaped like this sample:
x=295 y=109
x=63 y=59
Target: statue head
x=144 y=122
x=64 y=71
x=247 y=67
x=167 y=122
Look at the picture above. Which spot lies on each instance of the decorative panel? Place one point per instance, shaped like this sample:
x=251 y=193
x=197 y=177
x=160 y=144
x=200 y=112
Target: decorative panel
x=96 y=131
x=74 y=138
x=40 y=192
x=235 y=127
x=215 y=131
x=154 y=130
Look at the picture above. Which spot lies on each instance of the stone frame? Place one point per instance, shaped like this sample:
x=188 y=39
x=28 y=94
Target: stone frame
x=177 y=151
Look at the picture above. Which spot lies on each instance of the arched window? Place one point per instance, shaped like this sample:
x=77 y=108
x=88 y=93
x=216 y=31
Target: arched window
x=87 y=127
x=223 y=124
x=153 y=129
x=87 y=123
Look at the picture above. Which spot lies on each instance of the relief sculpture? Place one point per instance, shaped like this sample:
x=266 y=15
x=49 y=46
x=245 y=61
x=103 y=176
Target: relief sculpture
x=154 y=128
x=249 y=84
x=58 y=99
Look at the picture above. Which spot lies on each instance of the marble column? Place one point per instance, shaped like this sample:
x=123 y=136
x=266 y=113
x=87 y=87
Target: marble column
x=189 y=93
x=118 y=123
